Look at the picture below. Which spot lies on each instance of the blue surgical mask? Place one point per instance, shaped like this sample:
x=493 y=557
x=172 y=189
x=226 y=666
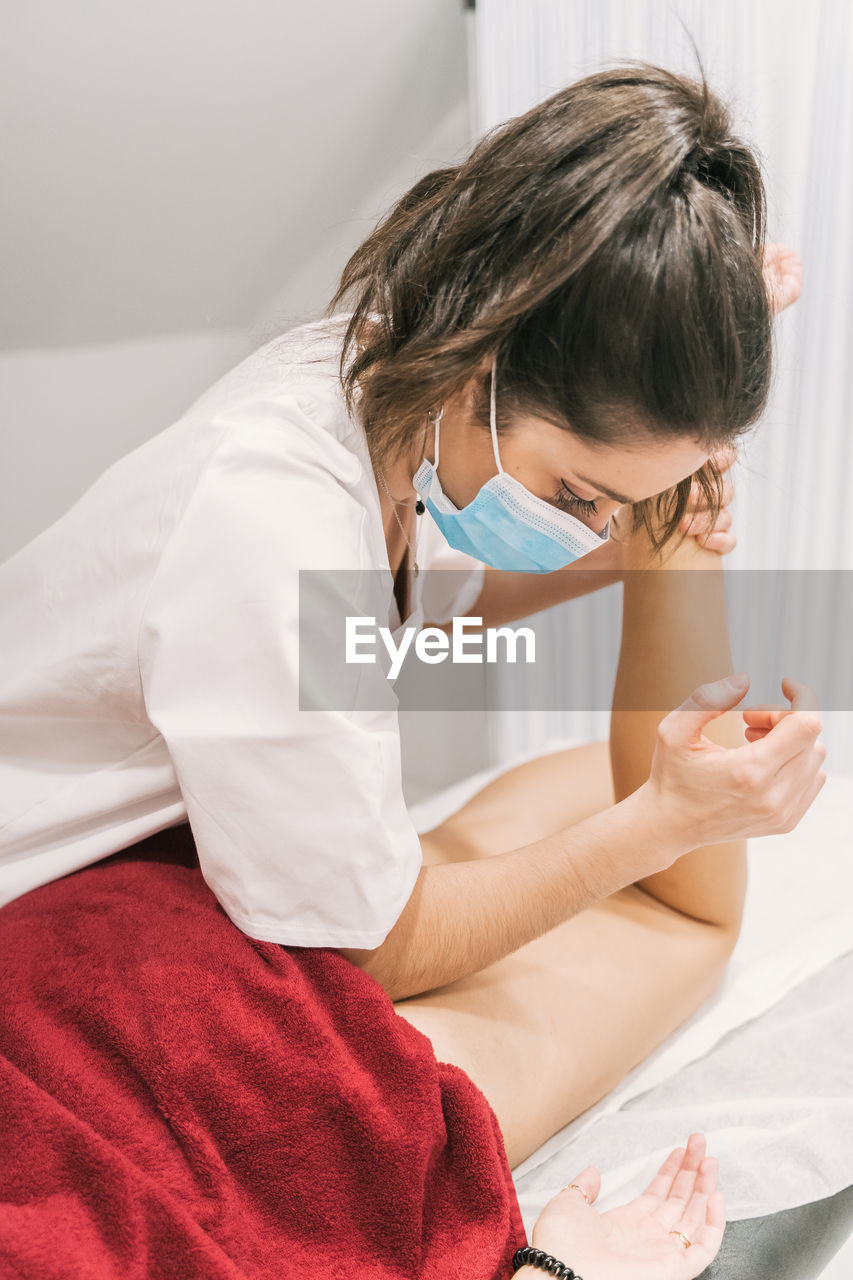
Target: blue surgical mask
x=505 y=525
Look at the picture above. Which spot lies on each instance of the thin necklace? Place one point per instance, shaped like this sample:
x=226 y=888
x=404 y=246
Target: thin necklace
x=412 y=549
x=419 y=509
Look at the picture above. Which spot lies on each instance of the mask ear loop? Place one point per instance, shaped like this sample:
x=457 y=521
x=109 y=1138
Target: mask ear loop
x=493 y=417
x=436 y=419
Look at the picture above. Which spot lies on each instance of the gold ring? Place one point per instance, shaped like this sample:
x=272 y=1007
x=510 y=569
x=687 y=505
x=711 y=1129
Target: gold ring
x=573 y=1186
x=682 y=1237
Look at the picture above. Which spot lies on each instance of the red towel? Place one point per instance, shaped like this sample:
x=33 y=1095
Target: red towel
x=180 y=1101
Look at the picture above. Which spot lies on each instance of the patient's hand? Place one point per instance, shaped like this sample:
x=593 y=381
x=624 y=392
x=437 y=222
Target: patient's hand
x=634 y=1242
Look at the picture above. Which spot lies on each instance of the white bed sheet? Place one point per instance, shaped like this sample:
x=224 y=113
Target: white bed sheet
x=776 y=1151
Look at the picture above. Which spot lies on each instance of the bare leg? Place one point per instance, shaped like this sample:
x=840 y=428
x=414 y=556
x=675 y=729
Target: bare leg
x=548 y=1030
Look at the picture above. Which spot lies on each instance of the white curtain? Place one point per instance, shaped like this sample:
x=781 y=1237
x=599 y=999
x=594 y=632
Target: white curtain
x=786 y=68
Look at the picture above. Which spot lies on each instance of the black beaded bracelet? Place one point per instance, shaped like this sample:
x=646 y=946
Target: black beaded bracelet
x=528 y=1256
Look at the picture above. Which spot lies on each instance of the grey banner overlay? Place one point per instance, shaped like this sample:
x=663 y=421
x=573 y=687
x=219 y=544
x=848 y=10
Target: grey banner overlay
x=796 y=623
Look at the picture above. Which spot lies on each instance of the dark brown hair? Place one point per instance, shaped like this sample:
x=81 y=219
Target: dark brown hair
x=607 y=245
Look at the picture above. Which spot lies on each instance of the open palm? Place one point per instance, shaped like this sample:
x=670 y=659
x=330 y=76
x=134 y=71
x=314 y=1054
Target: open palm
x=636 y=1240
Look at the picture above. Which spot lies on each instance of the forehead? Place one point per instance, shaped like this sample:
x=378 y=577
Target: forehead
x=629 y=471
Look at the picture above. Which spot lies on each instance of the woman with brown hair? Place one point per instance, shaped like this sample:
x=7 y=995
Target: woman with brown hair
x=552 y=347
x=609 y=244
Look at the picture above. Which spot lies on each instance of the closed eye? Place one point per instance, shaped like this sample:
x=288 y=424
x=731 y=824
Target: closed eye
x=569 y=501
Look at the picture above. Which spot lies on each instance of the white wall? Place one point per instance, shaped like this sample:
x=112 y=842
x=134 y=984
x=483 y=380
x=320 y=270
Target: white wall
x=67 y=413
x=171 y=165
x=188 y=182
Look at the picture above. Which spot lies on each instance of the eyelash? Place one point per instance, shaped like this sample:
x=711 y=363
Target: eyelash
x=567 y=500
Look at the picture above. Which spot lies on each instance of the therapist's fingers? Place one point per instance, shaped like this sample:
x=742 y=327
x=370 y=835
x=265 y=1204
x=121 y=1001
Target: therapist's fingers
x=698 y=503
x=722 y=543
x=785 y=740
x=725 y=457
x=792 y=788
x=703 y=524
x=762 y=718
x=801 y=696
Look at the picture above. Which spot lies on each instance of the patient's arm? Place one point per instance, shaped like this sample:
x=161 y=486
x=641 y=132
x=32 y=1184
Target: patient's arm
x=506 y=596
x=675 y=637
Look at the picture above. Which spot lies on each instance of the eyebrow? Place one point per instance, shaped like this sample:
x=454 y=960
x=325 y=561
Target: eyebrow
x=608 y=493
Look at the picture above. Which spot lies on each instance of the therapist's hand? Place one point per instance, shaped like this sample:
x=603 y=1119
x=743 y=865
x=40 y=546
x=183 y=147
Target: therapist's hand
x=635 y=1241
x=705 y=794
x=763 y=717
x=715 y=534
x=783 y=274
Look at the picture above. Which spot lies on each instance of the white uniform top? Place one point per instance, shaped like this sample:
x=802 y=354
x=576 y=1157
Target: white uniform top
x=149 y=662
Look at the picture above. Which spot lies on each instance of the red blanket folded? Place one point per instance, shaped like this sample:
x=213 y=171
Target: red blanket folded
x=178 y=1100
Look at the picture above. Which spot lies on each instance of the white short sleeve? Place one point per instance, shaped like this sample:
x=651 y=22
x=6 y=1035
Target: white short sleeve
x=298 y=816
